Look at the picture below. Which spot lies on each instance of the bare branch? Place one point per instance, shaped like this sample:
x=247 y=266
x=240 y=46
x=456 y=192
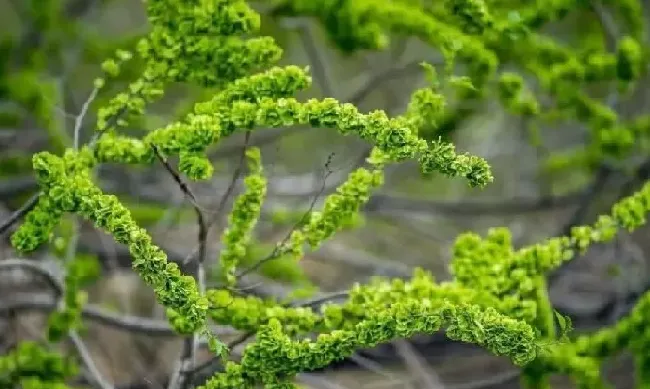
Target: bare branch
x=58 y=288
x=190 y=345
x=179 y=180
x=315 y=59
x=604 y=171
x=320 y=300
x=417 y=366
x=20 y=213
x=279 y=248
x=135 y=324
x=318 y=381
x=223 y=201
x=212 y=361
x=233 y=180
x=79 y=119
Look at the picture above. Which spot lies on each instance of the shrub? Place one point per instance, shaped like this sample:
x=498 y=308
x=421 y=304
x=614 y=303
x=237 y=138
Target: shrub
x=497 y=298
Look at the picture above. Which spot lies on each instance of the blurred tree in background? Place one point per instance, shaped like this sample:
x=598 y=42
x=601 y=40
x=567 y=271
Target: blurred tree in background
x=559 y=111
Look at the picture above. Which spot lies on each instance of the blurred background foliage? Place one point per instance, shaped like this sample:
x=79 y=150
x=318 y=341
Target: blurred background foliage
x=51 y=52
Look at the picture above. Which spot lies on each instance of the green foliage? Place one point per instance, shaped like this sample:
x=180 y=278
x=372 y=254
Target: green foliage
x=497 y=298
x=246 y=212
x=283 y=268
x=32 y=366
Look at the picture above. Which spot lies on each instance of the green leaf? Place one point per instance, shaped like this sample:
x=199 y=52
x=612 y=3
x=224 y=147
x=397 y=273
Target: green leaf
x=565 y=324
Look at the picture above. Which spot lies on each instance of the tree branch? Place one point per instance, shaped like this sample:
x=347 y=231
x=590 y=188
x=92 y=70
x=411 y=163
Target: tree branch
x=58 y=288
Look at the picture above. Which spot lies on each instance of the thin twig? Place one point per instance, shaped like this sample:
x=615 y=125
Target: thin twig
x=231 y=187
x=179 y=180
x=246 y=336
x=58 y=289
x=110 y=122
x=318 y=381
x=641 y=173
x=190 y=345
x=20 y=213
x=224 y=198
x=417 y=366
x=604 y=172
x=315 y=59
x=31 y=203
x=72 y=334
x=71 y=252
x=498 y=379
x=185 y=188
x=320 y=300
x=382 y=77
x=280 y=247
x=79 y=119
x=87 y=359
x=588 y=196
x=231 y=345
x=372 y=366
x=135 y=324
x=220 y=208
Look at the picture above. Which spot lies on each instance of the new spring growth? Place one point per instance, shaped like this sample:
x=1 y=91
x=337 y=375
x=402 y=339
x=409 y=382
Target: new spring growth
x=497 y=297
